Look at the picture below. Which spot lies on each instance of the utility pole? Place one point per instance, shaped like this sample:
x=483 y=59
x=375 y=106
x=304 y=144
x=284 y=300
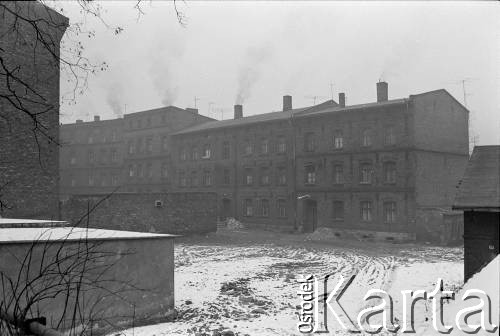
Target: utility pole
x=331 y=89
x=196 y=99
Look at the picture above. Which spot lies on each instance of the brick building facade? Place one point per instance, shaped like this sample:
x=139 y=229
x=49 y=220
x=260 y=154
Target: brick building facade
x=29 y=155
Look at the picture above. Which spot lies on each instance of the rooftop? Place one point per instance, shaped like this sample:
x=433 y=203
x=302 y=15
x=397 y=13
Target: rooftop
x=17 y=223
x=29 y=235
x=480 y=186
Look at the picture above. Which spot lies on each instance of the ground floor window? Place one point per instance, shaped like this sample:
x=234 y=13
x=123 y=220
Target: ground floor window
x=248 y=207
x=366 y=211
x=390 y=212
x=264 y=208
x=338 y=210
x=281 y=205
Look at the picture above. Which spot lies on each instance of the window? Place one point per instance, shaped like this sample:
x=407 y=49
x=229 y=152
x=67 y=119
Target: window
x=310 y=174
x=390 y=172
x=114 y=156
x=281 y=144
x=164 y=118
x=338 y=139
x=183 y=154
x=264 y=208
x=91 y=157
x=206 y=152
x=281 y=205
x=248 y=176
x=194 y=179
x=91 y=138
x=207 y=178
x=164 y=170
x=102 y=156
x=182 y=179
x=338 y=174
x=73 y=182
x=390 y=212
x=281 y=176
x=113 y=136
x=338 y=210
x=149 y=170
x=226 y=177
x=248 y=207
x=366 y=211
x=139 y=123
x=91 y=179
x=264 y=146
x=149 y=144
x=366 y=140
x=248 y=148
x=226 y=150
x=72 y=160
x=140 y=171
x=104 y=179
x=131 y=147
x=140 y=145
x=131 y=171
x=114 y=180
x=390 y=138
x=264 y=176
x=148 y=121
x=194 y=153
x=309 y=142
x=164 y=143
x=365 y=173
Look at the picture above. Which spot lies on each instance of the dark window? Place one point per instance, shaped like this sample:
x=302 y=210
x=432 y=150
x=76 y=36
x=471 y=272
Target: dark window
x=309 y=142
x=183 y=154
x=338 y=174
x=264 y=208
x=366 y=138
x=281 y=176
x=91 y=157
x=248 y=176
x=91 y=179
x=338 y=210
x=140 y=171
x=248 y=148
x=281 y=144
x=194 y=153
x=264 y=176
x=182 y=179
x=338 y=139
x=149 y=144
x=226 y=150
x=390 y=212
x=390 y=172
x=264 y=146
x=310 y=174
x=390 y=138
x=227 y=177
x=365 y=173
x=248 y=207
x=366 y=211
x=149 y=170
x=281 y=205
x=207 y=178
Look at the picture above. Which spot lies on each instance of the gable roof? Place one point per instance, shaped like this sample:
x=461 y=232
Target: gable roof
x=257 y=118
x=480 y=186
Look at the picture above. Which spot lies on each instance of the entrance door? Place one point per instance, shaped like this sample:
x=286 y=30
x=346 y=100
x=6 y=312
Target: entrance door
x=310 y=215
x=226 y=209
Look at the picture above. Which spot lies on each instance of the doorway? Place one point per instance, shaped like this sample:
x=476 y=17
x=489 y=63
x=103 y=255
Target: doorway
x=310 y=215
x=225 y=209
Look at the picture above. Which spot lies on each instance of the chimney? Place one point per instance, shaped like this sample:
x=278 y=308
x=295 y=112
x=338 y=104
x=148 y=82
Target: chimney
x=238 y=111
x=382 y=91
x=79 y=121
x=287 y=103
x=97 y=118
x=342 y=99
x=192 y=110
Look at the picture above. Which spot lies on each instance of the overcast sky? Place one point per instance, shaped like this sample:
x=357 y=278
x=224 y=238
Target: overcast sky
x=255 y=53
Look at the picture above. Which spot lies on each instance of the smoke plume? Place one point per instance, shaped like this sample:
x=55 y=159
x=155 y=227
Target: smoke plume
x=250 y=71
x=114 y=99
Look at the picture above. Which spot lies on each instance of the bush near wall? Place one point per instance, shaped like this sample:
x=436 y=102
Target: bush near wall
x=174 y=213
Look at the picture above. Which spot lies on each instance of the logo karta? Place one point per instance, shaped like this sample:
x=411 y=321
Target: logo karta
x=320 y=299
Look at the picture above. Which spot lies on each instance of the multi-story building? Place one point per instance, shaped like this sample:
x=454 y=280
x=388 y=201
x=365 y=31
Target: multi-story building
x=388 y=166
x=129 y=154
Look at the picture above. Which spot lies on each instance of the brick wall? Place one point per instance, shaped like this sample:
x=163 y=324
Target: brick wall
x=29 y=175
x=180 y=213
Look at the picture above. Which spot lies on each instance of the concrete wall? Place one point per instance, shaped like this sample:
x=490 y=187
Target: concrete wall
x=29 y=174
x=136 y=276
x=181 y=213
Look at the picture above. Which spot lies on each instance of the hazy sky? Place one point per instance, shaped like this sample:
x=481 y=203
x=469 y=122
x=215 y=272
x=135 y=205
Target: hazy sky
x=255 y=52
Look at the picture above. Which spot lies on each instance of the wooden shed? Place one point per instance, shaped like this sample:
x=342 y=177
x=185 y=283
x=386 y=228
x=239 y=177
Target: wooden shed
x=479 y=198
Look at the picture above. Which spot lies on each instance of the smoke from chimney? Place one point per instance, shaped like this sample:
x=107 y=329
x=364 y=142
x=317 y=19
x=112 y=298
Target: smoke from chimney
x=114 y=99
x=249 y=72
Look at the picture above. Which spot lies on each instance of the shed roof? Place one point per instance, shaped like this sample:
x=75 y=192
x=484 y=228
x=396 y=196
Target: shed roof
x=480 y=186
x=17 y=222
x=29 y=235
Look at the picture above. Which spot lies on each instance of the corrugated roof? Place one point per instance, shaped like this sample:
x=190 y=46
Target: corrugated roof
x=257 y=118
x=28 y=235
x=480 y=186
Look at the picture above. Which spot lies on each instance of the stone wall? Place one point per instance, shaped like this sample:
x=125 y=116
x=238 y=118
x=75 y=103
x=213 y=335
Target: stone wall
x=175 y=213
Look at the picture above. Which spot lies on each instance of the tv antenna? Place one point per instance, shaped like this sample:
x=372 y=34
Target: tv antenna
x=314 y=98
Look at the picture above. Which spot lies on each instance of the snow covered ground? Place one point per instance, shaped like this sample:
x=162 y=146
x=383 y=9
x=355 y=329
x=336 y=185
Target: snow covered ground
x=244 y=282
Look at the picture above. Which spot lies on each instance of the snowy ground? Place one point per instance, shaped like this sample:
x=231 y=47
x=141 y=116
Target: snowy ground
x=244 y=283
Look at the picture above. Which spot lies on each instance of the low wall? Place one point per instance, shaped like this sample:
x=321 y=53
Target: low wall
x=175 y=213
x=126 y=281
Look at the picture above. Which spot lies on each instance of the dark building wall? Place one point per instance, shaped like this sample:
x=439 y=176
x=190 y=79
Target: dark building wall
x=145 y=264
x=481 y=245
x=179 y=213
x=29 y=174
